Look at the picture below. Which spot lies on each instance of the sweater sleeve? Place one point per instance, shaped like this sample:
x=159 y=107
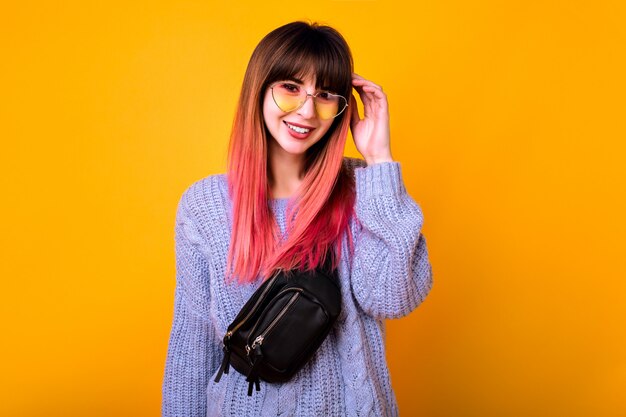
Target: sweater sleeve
x=391 y=272
x=188 y=356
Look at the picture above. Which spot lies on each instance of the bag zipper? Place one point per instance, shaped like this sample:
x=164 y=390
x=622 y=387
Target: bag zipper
x=226 y=342
x=258 y=301
x=259 y=339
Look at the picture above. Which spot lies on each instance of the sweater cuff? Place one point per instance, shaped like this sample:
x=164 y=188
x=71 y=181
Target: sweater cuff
x=384 y=178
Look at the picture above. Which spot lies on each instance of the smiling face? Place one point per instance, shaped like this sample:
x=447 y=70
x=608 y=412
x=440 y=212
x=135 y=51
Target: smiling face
x=296 y=131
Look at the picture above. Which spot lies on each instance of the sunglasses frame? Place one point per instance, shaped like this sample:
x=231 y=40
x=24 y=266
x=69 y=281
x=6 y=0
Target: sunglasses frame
x=313 y=96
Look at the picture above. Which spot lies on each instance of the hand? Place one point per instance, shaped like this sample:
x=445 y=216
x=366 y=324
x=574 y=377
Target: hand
x=370 y=134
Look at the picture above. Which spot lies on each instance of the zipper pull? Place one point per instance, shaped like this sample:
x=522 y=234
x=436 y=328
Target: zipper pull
x=252 y=377
x=224 y=368
x=257 y=342
x=256 y=383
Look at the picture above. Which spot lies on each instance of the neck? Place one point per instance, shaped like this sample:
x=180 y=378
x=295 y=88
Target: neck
x=286 y=171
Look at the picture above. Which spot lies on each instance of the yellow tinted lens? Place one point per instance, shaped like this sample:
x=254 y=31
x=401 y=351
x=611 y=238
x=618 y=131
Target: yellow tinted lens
x=329 y=105
x=287 y=97
x=326 y=110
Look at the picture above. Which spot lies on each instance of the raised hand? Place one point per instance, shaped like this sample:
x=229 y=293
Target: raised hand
x=370 y=134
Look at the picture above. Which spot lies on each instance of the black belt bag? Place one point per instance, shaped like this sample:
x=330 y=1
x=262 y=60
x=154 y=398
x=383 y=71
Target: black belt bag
x=282 y=325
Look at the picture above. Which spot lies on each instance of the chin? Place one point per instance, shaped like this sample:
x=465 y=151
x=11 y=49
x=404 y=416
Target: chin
x=294 y=149
x=294 y=146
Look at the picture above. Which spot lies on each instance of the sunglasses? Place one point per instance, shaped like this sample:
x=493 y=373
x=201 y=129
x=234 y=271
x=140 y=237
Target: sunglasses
x=290 y=97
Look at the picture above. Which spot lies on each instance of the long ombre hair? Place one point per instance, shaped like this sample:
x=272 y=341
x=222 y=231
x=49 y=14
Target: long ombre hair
x=319 y=212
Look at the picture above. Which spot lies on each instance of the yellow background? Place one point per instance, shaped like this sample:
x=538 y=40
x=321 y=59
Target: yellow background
x=508 y=121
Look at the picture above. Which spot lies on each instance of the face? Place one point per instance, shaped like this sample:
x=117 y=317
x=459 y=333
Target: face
x=296 y=131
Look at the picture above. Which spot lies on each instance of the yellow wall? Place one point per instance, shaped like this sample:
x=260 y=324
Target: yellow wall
x=508 y=120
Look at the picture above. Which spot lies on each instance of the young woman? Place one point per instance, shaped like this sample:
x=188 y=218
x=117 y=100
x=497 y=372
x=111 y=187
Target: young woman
x=290 y=199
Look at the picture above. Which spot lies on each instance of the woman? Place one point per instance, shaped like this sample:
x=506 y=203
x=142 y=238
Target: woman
x=289 y=200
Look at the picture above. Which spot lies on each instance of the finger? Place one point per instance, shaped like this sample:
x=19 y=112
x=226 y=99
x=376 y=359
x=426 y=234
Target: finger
x=363 y=82
x=365 y=95
x=365 y=86
x=360 y=81
x=374 y=101
x=359 y=89
x=370 y=94
x=377 y=92
x=359 y=78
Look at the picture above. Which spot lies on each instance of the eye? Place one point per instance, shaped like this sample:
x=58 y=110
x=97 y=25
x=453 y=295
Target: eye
x=289 y=87
x=326 y=95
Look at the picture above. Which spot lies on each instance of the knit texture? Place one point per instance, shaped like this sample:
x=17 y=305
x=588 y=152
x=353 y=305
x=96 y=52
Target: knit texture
x=388 y=277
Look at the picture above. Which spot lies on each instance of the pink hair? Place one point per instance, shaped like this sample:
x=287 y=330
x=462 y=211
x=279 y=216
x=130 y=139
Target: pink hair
x=319 y=213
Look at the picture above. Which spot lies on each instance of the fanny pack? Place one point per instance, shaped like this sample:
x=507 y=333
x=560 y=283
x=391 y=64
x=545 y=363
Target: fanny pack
x=282 y=325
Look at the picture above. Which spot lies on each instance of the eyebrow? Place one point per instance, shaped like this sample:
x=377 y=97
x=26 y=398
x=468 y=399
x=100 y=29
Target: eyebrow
x=299 y=81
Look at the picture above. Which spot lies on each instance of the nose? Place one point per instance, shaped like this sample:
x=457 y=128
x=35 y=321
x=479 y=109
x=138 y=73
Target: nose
x=307 y=110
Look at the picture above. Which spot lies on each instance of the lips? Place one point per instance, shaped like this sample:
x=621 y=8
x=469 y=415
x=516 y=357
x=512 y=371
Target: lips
x=298 y=130
x=299 y=125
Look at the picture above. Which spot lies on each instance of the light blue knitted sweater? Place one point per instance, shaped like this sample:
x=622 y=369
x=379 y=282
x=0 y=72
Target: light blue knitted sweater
x=389 y=276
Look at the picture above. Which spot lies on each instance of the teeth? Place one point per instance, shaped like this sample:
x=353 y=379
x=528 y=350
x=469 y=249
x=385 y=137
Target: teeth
x=298 y=129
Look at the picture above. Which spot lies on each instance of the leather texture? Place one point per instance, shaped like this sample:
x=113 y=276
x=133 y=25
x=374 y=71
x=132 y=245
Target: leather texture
x=282 y=325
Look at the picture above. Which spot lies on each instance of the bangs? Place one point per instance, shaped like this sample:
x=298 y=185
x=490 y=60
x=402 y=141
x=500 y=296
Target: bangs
x=318 y=55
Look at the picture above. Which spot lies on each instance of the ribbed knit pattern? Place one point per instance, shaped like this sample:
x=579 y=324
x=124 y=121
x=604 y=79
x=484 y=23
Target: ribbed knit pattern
x=389 y=276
